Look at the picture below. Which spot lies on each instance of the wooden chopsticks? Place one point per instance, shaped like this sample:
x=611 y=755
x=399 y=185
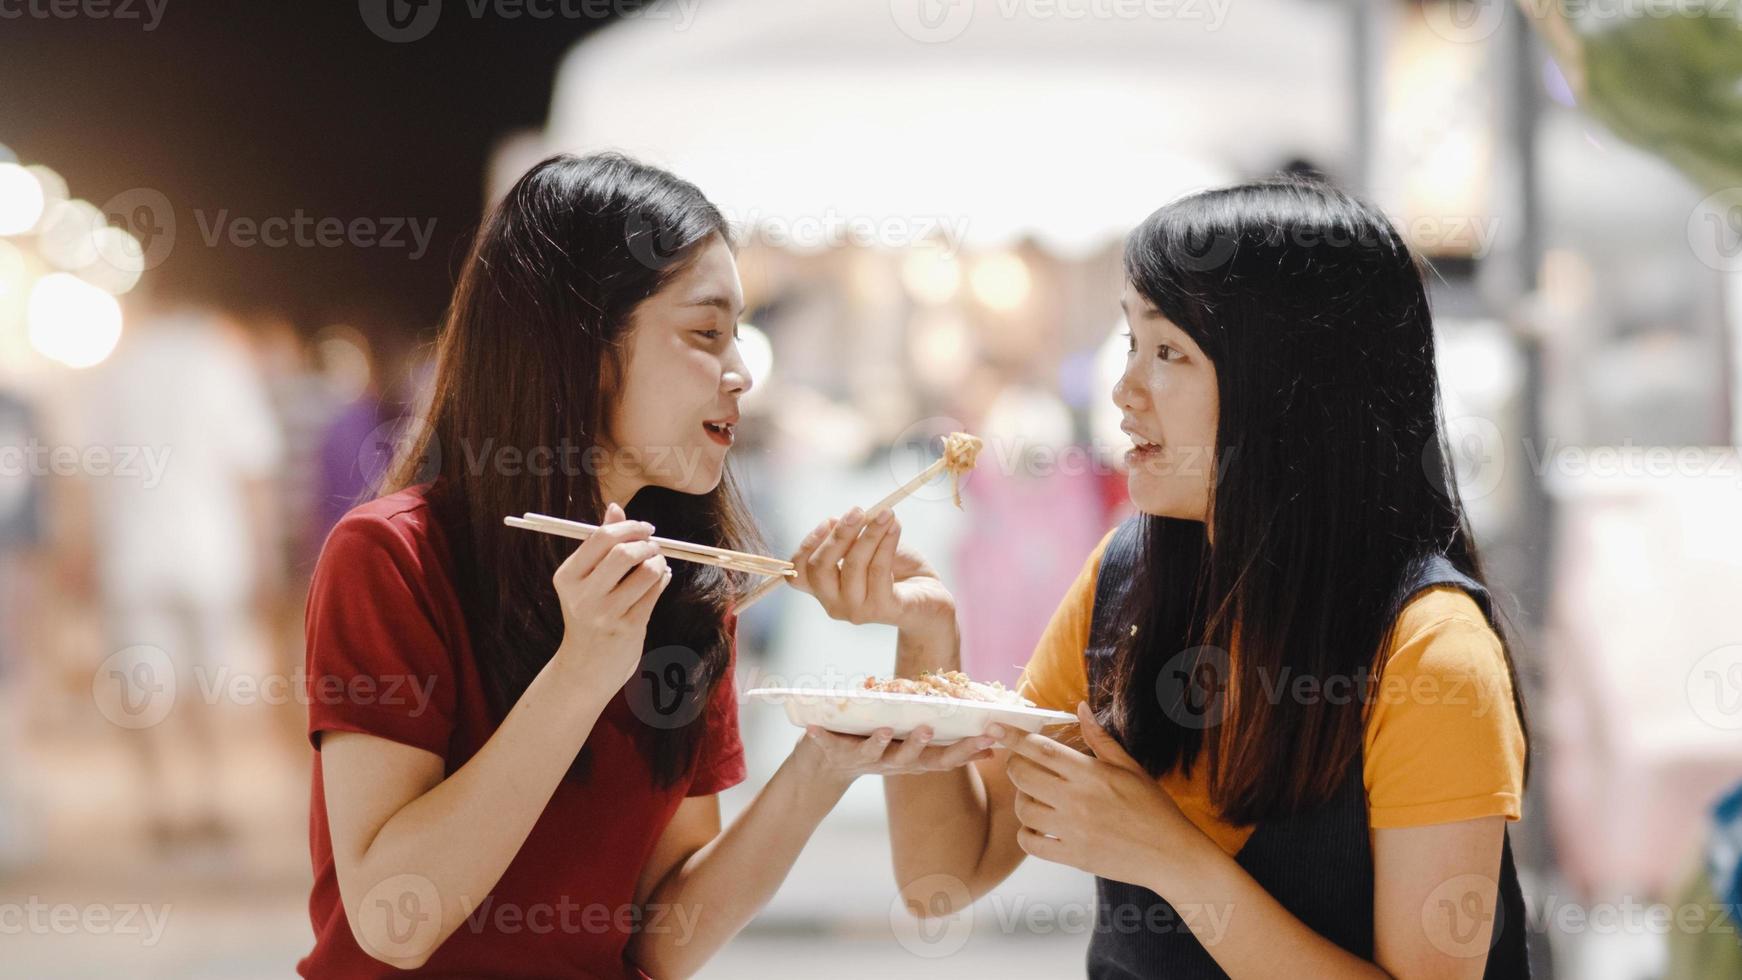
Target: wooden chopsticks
x=741 y=561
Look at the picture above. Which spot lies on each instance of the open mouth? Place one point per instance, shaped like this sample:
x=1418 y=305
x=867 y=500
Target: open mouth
x=1141 y=445
x=721 y=432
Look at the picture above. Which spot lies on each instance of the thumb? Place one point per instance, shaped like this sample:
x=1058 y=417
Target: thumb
x=1105 y=746
x=613 y=513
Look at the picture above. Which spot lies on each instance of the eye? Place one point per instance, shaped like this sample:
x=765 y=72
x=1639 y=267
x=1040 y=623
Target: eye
x=1166 y=352
x=1130 y=343
x=711 y=334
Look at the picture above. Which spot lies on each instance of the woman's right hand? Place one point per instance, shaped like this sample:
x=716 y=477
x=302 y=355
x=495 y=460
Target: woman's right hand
x=607 y=589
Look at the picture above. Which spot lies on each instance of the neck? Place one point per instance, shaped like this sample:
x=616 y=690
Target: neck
x=617 y=489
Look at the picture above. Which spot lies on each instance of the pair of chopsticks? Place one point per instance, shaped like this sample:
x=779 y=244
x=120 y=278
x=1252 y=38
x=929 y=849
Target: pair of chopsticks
x=961 y=452
x=741 y=561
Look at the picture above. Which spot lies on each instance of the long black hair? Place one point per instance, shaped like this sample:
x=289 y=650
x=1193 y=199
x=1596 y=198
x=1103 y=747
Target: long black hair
x=1333 y=484
x=529 y=361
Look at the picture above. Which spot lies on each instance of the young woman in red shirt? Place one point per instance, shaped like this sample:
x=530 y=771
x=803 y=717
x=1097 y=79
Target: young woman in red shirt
x=520 y=742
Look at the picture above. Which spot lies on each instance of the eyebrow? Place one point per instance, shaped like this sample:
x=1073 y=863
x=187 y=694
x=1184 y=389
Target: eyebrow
x=720 y=303
x=1149 y=312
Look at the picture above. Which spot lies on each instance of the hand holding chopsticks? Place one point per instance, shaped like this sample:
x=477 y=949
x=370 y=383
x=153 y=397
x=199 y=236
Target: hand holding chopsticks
x=741 y=561
x=961 y=451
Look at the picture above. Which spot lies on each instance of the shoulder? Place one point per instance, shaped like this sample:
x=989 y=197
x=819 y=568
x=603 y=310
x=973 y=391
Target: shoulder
x=395 y=522
x=1442 y=632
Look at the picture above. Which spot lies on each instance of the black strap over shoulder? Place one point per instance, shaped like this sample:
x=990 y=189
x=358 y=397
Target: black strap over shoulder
x=1112 y=581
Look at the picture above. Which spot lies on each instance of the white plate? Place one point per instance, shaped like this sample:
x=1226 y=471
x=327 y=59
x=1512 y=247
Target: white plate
x=859 y=712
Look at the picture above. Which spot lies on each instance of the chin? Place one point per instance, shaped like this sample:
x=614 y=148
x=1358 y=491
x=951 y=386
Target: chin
x=1164 y=501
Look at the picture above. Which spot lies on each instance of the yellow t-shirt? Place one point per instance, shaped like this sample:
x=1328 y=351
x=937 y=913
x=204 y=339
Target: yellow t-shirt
x=1442 y=743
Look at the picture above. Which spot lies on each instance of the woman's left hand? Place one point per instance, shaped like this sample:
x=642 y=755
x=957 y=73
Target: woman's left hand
x=1102 y=813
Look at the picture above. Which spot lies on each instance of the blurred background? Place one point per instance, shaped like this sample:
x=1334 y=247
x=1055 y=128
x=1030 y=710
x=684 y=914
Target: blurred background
x=228 y=232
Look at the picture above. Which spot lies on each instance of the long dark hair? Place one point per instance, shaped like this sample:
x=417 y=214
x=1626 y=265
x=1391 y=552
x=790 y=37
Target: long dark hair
x=529 y=362
x=1333 y=484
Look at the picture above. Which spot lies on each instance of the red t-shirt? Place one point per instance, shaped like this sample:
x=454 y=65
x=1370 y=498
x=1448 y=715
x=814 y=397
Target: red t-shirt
x=388 y=655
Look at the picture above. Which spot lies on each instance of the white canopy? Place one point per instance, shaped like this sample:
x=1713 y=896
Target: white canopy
x=988 y=120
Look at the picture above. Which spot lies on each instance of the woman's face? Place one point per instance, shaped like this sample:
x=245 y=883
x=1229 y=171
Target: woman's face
x=1168 y=399
x=675 y=418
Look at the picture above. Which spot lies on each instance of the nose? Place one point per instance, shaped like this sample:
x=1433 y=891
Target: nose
x=1128 y=392
x=736 y=379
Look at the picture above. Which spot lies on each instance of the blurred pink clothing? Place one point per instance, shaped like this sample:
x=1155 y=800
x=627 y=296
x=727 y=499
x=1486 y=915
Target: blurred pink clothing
x=1027 y=539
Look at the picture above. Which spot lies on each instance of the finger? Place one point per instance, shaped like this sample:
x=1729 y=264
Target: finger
x=1053 y=755
x=587 y=556
x=875 y=745
x=649 y=577
x=907 y=751
x=801 y=556
x=1039 y=845
x=880 y=574
x=1102 y=743
x=942 y=757
x=822 y=576
x=1038 y=815
x=1035 y=780
x=642 y=609
x=826 y=559
x=619 y=562
x=857 y=561
x=834 y=744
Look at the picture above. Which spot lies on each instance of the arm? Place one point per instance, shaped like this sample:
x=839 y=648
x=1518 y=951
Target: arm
x=945 y=818
x=413 y=848
x=705 y=885
x=958 y=823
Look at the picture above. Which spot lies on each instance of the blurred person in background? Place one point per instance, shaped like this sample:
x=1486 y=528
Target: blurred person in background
x=183 y=535
x=1279 y=329
x=355 y=446
x=21 y=534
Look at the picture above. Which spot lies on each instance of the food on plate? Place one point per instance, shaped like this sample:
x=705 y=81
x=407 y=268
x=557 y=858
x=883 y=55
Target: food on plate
x=949 y=684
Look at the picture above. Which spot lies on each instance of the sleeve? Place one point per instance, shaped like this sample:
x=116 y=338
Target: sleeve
x=720 y=765
x=1444 y=742
x=1056 y=676
x=376 y=661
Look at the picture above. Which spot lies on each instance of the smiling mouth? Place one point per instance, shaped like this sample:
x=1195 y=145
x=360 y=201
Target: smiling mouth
x=1141 y=445
x=723 y=433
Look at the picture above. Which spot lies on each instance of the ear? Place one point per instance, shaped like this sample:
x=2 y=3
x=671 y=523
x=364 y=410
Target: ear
x=1105 y=746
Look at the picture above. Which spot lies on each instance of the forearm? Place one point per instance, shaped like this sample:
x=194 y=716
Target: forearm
x=715 y=893
x=1248 y=932
x=937 y=820
x=461 y=834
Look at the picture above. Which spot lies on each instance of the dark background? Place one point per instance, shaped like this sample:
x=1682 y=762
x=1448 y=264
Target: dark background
x=264 y=107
